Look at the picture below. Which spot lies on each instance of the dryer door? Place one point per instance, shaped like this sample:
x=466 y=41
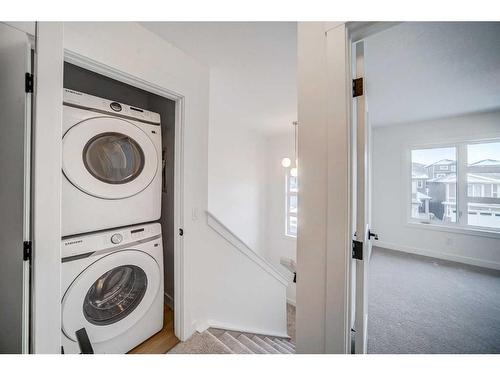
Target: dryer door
x=109 y=158
x=111 y=295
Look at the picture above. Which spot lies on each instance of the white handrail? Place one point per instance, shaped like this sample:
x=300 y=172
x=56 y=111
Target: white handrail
x=238 y=243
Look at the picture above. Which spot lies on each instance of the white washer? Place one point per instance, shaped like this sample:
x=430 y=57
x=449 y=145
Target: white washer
x=112 y=286
x=111 y=164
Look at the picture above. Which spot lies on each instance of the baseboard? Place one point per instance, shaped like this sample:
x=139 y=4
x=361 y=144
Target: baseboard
x=231 y=327
x=201 y=326
x=168 y=300
x=440 y=255
x=291 y=302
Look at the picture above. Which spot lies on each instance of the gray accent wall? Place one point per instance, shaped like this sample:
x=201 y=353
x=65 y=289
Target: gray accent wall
x=83 y=80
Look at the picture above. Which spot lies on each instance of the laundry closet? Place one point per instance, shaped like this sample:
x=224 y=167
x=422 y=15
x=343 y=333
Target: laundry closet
x=118 y=198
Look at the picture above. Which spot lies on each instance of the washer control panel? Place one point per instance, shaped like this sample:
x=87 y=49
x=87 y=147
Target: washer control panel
x=116 y=238
x=107 y=240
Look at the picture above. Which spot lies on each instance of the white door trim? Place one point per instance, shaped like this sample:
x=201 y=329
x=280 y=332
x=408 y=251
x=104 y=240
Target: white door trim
x=339 y=39
x=46 y=174
x=180 y=309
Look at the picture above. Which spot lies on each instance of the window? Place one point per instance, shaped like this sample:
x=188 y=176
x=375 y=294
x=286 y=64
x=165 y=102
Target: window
x=483 y=173
x=467 y=196
x=420 y=184
x=437 y=204
x=291 y=206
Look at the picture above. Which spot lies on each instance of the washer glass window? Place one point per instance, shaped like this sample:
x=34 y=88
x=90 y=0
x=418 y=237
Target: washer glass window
x=115 y=295
x=113 y=158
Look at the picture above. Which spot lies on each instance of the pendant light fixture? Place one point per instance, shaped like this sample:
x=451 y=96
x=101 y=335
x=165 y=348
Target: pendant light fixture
x=286 y=162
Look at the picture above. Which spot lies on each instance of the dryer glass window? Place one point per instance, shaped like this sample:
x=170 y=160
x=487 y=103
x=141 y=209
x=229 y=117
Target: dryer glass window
x=113 y=158
x=115 y=295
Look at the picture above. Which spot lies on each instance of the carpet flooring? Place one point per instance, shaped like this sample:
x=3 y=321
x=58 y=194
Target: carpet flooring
x=219 y=341
x=424 y=305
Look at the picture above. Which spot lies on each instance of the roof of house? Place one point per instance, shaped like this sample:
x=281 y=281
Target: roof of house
x=442 y=162
x=419 y=175
x=420 y=197
x=486 y=163
x=472 y=178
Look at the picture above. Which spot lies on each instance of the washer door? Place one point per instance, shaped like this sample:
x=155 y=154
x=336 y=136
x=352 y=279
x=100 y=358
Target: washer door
x=111 y=295
x=109 y=158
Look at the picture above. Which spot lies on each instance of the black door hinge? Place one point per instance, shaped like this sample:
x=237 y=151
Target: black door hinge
x=181 y=232
x=357 y=250
x=357 y=87
x=28 y=82
x=27 y=250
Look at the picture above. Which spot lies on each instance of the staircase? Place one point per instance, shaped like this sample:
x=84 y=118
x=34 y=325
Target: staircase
x=218 y=341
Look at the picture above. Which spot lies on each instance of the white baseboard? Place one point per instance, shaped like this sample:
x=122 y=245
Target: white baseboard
x=231 y=327
x=201 y=326
x=440 y=255
x=291 y=302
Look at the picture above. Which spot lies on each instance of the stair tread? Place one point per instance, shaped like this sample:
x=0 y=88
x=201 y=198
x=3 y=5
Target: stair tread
x=251 y=345
x=265 y=345
x=233 y=344
x=278 y=347
x=287 y=344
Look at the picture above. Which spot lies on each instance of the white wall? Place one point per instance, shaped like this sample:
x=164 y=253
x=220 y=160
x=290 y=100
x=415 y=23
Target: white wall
x=389 y=201
x=278 y=244
x=236 y=167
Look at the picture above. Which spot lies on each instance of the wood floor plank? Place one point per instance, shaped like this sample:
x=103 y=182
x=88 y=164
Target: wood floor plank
x=163 y=341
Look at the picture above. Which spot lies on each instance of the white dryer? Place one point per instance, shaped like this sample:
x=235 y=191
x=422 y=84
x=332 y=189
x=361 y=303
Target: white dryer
x=112 y=289
x=111 y=164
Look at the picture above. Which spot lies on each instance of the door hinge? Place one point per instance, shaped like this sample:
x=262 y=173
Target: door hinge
x=357 y=250
x=27 y=250
x=181 y=232
x=357 y=87
x=28 y=82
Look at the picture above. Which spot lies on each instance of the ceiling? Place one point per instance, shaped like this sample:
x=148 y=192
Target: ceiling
x=418 y=71
x=253 y=68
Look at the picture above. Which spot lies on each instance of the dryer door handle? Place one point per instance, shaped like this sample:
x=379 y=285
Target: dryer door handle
x=84 y=342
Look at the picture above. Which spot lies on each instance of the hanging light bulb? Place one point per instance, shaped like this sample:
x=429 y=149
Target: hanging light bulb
x=286 y=162
x=293 y=172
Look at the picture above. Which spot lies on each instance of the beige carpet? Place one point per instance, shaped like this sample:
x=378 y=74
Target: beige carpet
x=201 y=343
x=220 y=342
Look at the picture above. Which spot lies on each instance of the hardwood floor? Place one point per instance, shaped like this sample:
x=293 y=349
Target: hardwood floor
x=163 y=341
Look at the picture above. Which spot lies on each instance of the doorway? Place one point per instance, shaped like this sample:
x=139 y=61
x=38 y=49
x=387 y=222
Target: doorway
x=95 y=79
x=432 y=282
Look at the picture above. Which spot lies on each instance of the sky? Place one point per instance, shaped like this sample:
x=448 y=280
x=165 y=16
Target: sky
x=475 y=152
x=432 y=155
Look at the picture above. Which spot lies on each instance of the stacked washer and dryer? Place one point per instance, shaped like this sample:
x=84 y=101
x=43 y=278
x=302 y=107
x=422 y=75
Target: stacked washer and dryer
x=112 y=253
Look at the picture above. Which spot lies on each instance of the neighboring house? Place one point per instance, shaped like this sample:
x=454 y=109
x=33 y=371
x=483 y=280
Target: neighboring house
x=418 y=177
x=438 y=198
x=420 y=199
x=441 y=168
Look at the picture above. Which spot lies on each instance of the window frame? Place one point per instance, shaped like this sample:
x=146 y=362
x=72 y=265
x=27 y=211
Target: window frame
x=461 y=225
x=288 y=213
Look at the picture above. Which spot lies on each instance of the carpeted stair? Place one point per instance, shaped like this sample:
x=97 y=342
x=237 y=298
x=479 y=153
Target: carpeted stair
x=218 y=341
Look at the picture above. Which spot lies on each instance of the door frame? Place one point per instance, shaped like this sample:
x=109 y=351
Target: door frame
x=340 y=285
x=179 y=99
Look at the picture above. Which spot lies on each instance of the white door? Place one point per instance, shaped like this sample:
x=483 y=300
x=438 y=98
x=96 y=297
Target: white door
x=108 y=157
x=15 y=128
x=362 y=204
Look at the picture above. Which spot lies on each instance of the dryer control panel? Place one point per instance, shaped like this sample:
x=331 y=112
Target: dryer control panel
x=86 y=101
x=108 y=240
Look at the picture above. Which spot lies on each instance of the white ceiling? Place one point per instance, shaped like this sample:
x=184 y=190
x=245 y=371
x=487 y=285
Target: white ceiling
x=253 y=67
x=417 y=71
